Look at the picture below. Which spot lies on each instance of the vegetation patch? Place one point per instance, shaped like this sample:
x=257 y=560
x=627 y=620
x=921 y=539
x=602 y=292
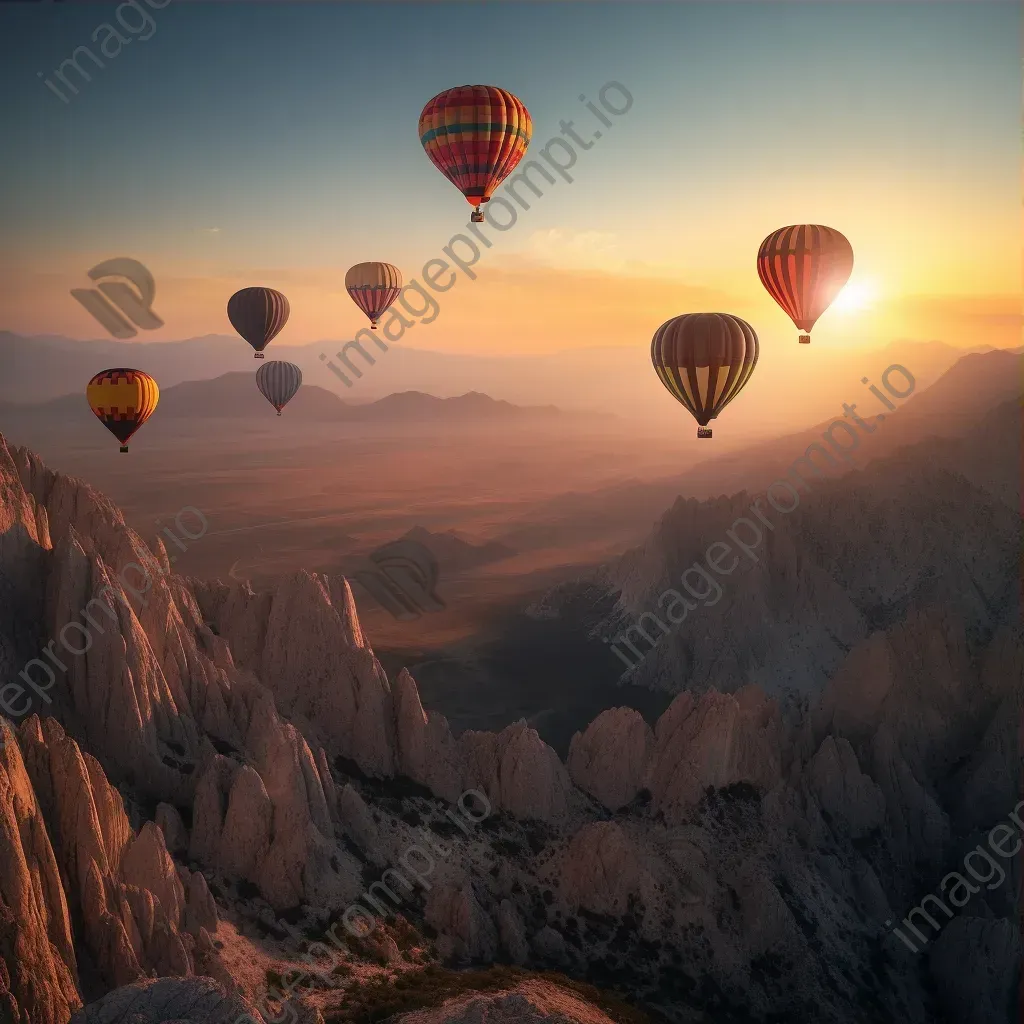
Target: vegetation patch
x=381 y=999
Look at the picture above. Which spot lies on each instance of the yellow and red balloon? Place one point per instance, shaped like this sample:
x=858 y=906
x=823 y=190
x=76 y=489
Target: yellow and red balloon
x=122 y=399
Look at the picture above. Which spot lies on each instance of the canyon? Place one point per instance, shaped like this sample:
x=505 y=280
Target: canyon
x=227 y=770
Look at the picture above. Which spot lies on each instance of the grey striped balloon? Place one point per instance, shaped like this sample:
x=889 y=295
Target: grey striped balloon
x=278 y=382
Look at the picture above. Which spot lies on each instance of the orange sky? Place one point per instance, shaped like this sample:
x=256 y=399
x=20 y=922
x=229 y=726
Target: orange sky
x=564 y=291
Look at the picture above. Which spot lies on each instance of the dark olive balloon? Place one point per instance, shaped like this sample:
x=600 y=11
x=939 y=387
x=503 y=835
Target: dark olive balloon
x=704 y=359
x=258 y=314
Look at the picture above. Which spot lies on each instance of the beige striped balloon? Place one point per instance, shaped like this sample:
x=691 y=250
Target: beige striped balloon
x=373 y=287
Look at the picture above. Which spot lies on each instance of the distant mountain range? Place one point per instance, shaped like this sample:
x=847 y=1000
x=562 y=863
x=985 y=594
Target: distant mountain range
x=618 y=380
x=235 y=396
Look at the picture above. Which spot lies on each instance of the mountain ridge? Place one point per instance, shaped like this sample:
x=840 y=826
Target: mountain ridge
x=234 y=395
x=617 y=379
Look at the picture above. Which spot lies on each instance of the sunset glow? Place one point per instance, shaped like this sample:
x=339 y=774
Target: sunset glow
x=663 y=213
x=855 y=296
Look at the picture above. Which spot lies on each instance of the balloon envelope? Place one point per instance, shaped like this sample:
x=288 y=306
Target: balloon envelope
x=373 y=287
x=278 y=382
x=258 y=314
x=475 y=135
x=804 y=267
x=704 y=360
x=122 y=399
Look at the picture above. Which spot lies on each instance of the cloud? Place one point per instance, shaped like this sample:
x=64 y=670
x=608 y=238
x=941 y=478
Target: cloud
x=212 y=231
x=577 y=249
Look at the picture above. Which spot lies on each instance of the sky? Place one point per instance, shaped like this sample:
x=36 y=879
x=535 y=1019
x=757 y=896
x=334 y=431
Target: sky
x=276 y=144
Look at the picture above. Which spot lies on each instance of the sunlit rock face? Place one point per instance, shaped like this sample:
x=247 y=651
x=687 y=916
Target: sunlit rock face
x=222 y=762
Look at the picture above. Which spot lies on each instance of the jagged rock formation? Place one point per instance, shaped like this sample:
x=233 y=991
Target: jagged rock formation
x=38 y=980
x=934 y=523
x=137 y=912
x=610 y=759
x=732 y=858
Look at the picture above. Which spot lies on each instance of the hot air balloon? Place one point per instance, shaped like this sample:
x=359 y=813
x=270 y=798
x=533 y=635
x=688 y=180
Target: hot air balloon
x=373 y=287
x=258 y=314
x=123 y=400
x=704 y=359
x=475 y=135
x=278 y=382
x=804 y=267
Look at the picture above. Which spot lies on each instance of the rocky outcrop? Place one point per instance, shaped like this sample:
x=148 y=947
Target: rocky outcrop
x=38 y=968
x=303 y=638
x=512 y=933
x=357 y=820
x=169 y=822
x=455 y=912
x=124 y=887
x=518 y=772
x=534 y=1001
x=427 y=751
x=515 y=768
x=270 y=822
x=601 y=869
x=716 y=741
x=170 y=1001
x=842 y=791
x=609 y=759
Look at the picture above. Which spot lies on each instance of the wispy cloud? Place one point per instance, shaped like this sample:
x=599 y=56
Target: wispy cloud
x=594 y=250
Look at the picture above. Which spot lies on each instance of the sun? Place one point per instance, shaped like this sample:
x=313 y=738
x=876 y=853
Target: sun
x=854 y=297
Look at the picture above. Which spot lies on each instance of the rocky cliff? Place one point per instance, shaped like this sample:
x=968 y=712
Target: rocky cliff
x=222 y=774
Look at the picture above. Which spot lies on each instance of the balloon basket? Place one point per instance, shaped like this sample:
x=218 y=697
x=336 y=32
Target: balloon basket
x=124 y=449
x=258 y=355
x=805 y=339
x=703 y=431
x=278 y=412
x=477 y=218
